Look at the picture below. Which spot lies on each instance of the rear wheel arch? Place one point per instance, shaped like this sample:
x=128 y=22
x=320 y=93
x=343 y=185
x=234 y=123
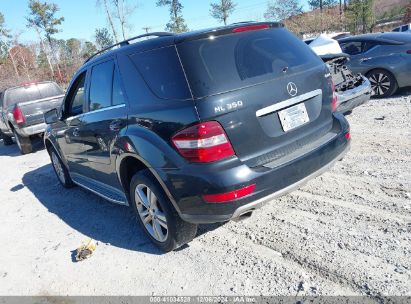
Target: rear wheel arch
x=129 y=165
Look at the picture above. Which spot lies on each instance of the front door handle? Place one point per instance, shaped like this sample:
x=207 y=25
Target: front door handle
x=364 y=59
x=116 y=125
x=76 y=132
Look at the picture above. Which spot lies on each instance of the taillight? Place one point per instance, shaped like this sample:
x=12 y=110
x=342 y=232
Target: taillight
x=251 y=28
x=203 y=143
x=409 y=52
x=229 y=196
x=334 y=100
x=18 y=115
x=347 y=136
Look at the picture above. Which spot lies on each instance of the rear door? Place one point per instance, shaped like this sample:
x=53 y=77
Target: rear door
x=105 y=118
x=267 y=89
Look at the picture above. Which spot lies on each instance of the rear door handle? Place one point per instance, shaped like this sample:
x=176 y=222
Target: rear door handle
x=76 y=132
x=116 y=125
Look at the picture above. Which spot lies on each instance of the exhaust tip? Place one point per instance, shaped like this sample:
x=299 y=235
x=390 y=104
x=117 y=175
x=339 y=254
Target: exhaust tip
x=243 y=216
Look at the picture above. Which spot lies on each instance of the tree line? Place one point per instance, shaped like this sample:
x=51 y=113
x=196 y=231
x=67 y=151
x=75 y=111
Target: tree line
x=58 y=59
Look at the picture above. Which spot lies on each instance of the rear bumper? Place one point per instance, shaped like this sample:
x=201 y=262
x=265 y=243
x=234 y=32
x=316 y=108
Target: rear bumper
x=188 y=184
x=32 y=130
x=348 y=100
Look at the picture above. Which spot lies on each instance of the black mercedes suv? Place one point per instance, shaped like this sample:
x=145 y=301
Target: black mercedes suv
x=199 y=127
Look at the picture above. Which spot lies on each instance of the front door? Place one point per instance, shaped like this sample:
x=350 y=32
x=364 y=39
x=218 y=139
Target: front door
x=69 y=132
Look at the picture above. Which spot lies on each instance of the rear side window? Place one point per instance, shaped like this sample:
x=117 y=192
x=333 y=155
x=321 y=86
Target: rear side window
x=49 y=89
x=101 y=85
x=32 y=92
x=162 y=71
x=405 y=28
x=369 y=45
x=21 y=94
x=224 y=63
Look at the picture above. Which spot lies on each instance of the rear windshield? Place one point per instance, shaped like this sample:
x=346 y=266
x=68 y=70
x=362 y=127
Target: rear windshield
x=224 y=63
x=31 y=92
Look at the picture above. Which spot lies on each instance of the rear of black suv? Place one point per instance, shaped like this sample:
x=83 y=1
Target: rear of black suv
x=267 y=123
x=219 y=121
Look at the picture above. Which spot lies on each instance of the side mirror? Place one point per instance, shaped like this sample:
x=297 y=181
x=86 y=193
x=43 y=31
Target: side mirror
x=51 y=116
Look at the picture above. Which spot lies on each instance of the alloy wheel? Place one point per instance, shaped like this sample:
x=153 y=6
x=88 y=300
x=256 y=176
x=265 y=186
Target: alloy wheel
x=151 y=213
x=380 y=83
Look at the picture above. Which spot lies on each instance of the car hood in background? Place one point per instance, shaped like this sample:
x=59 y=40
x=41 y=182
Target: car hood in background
x=323 y=45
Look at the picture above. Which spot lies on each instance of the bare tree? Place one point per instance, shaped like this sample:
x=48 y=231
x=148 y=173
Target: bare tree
x=42 y=18
x=106 y=7
x=222 y=10
x=122 y=12
x=5 y=43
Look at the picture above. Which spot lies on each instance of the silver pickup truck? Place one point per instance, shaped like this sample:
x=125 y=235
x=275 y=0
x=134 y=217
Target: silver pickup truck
x=22 y=111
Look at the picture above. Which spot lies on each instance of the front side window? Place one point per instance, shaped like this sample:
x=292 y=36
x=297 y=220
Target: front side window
x=76 y=96
x=101 y=85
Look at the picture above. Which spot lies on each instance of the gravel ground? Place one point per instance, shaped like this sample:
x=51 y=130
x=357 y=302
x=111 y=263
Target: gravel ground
x=347 y=232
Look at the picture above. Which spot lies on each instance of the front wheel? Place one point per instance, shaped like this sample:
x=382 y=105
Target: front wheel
x=156 y=214
x=383 y=83
x=61 y=170
x=24 y=143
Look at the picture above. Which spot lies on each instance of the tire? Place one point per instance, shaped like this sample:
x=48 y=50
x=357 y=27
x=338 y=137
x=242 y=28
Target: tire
x=7 y=140
x=24 y=143
x=163 y=225
x=383 y=83
x=61 y=171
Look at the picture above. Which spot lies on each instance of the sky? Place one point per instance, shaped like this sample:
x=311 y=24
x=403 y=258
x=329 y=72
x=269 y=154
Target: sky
x=82 y=17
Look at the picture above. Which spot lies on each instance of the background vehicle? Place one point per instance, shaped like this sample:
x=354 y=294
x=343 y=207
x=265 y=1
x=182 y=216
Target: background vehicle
x=352 y=90
x=22 y=111
x=384 y=58
x=403 y=28
x=198 y=127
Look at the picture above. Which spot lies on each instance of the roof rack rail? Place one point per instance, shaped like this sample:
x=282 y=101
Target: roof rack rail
x=126 y=42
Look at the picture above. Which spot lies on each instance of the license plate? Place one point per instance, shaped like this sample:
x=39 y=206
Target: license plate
x=293 y=117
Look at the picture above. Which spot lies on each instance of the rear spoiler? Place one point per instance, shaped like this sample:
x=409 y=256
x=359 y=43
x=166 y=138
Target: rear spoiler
x=225 y=30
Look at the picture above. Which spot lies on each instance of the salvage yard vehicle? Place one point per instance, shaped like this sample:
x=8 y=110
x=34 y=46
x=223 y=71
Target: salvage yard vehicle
x=403 y=28
x=384 y=58
x=22 y=111
x=351 y=90
x=198 y=127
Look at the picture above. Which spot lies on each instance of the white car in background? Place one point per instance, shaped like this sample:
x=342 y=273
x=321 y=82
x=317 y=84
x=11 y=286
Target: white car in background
x=403 y=28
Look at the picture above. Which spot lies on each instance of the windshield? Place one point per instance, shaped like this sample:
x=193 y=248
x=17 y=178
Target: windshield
x=224 y=63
